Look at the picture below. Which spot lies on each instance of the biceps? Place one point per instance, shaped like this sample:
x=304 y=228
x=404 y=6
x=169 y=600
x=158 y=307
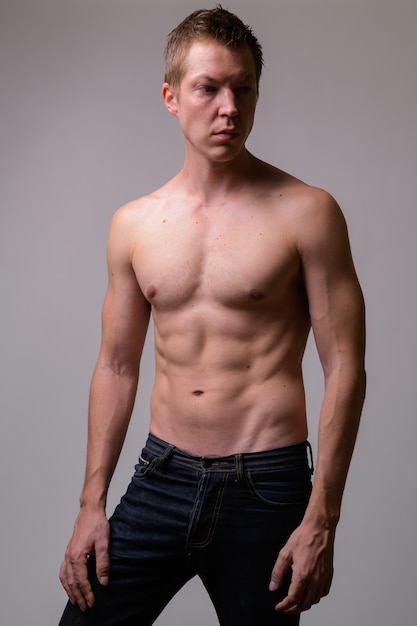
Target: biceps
x=125 y=319
x=338 y=323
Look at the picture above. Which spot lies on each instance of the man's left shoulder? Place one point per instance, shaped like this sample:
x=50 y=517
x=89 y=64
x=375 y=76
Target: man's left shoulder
x=299 y=201
x=298 y=195
x=312 y=201
x=312 y=216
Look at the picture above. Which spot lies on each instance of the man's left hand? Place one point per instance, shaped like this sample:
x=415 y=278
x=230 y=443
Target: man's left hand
x=309 y=552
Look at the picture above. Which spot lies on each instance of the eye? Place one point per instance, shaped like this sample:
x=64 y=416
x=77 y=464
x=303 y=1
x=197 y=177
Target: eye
x=207 y=89
x=244 y=89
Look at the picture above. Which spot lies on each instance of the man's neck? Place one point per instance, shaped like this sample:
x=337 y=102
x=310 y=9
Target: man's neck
x=214 y=181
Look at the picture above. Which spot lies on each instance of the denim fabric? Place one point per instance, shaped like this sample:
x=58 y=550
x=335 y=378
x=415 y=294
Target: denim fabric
x=221 y=518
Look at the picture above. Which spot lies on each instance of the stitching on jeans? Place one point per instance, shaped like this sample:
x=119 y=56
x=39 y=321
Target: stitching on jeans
x=215 y=515
x=253 y=489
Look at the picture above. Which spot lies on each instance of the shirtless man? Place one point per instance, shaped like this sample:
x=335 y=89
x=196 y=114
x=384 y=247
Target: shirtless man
x=236 y=261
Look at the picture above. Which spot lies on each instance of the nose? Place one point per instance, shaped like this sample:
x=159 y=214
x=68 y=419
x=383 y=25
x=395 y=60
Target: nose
x=228 y=104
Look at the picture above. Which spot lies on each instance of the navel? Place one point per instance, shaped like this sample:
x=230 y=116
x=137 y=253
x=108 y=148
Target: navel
x=198 y=392
x=256 y=294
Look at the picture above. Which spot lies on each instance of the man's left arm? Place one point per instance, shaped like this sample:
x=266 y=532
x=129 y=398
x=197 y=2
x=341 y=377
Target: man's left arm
x=337 y=315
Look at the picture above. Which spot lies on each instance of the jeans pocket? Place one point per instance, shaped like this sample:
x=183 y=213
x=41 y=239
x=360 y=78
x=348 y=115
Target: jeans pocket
x=287 y=488
x=145 y=465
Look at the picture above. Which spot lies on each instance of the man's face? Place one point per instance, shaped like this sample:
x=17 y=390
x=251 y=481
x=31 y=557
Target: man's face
x=216 y=100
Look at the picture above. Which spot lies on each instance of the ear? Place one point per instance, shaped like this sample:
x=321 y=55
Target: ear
x=169 y=98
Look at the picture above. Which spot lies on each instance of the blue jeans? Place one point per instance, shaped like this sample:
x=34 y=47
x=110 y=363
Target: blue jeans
x=221 y=518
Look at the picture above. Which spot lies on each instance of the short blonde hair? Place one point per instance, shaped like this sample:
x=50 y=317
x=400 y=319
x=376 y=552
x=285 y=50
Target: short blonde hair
x=216 y=24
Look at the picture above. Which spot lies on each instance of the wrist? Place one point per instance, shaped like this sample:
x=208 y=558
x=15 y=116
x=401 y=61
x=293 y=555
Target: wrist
x=92 y=500
x=323 y=515
x=94 y=491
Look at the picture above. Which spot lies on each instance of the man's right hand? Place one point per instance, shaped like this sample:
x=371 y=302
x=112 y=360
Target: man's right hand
x=90 y=537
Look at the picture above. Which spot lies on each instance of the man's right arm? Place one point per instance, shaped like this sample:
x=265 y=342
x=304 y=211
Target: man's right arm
x=125 y=321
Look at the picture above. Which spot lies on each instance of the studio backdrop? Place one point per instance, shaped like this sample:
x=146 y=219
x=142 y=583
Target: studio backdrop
x=84 y=130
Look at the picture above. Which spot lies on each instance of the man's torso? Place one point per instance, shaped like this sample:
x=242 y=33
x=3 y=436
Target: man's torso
x=230 y=316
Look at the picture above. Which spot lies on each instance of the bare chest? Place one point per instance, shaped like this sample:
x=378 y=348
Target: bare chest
x=230 y=262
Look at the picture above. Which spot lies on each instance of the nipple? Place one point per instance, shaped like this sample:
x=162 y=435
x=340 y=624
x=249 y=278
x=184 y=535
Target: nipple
x=256 y=294
x=151 y=292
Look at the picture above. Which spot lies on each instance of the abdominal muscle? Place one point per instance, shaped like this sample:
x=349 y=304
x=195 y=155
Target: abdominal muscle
x=235 y=391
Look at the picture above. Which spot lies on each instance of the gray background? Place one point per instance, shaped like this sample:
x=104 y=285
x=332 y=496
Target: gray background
x=83 y=130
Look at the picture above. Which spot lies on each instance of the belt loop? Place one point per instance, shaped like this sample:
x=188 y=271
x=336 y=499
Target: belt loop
x=240 y=473
x=164 y=457
x=310 y=459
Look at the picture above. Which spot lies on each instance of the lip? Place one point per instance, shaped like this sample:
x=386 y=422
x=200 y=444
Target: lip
x=226 y=133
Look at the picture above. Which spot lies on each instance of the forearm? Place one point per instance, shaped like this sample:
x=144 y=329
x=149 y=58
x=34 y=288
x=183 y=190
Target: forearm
x=338 y=427
x=112 y=397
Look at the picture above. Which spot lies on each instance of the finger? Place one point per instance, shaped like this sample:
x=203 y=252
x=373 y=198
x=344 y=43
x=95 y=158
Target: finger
x=101 y=554
x=304 y=603
x=292 y=602
x=79 y=584
x=103 y=565
x=315 y=592
x=303 y=596
x=70 y=585
x=64 y=581
x=281 y=567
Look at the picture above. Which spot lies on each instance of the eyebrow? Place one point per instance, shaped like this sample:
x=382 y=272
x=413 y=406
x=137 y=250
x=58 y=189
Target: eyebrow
x=242 y=78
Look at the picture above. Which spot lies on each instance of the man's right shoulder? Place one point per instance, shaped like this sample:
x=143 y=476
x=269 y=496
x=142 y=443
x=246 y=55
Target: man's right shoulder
x=134 y=209
x=140 y=209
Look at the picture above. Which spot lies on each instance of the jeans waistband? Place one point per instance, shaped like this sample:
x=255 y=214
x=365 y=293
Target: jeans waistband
x=297 y=454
